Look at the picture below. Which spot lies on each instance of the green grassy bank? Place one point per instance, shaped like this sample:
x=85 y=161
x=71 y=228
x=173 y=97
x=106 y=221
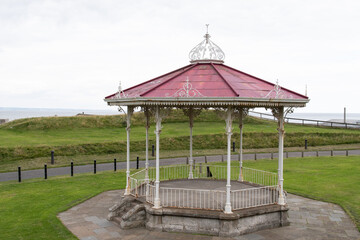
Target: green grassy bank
x=97 y=135
x=251 y=140
x=28 y=210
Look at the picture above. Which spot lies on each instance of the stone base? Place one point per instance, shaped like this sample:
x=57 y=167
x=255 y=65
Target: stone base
x=215 y=222
x=200 y=221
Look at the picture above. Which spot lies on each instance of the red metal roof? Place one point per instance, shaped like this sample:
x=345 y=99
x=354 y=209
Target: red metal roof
x=209 y=80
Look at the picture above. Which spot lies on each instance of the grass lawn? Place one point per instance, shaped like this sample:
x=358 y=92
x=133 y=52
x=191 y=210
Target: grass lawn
x=330 y=179
x=28 y=210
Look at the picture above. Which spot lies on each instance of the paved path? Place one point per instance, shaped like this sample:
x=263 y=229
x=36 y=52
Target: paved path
x=309 y=220
x=39 y=173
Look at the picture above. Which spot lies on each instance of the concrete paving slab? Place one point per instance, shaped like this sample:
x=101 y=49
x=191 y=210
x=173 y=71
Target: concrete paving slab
x=305 y=225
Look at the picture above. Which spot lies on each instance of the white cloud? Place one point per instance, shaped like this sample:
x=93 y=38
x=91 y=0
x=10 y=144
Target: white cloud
x=71 y=54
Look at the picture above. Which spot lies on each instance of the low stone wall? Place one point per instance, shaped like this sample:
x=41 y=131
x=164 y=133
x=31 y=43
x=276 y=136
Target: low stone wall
x=134 y=212
x=216 y=222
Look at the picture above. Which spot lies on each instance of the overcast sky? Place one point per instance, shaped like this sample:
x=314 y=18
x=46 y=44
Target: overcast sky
x=71 y=54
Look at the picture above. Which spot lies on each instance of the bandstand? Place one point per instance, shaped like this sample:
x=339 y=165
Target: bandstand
x=204 y=198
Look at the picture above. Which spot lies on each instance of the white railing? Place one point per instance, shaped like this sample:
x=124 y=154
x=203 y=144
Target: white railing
x=260 y=177
x=192 y=198
x=253 y=197
x=263 y=193
x=138 y=187
x=138 y=183
x=150 y=197
x=170 y=172
x=215 y=171
x=250 y=175
x=206 y=171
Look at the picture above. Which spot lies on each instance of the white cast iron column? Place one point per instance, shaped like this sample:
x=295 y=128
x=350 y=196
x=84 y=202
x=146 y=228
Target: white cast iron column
x=191 y=161
x=241 y=142
x=157 y=181
x=281 y=155
x=128 y=123
x=147 y=125
x=229 y=133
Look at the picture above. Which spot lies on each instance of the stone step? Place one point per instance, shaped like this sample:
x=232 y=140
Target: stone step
x=117 y=220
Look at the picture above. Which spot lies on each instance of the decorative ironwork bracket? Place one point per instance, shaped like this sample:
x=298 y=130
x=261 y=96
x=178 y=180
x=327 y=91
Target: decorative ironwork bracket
x=241 y=113
x=191 y=112
x=130 y=111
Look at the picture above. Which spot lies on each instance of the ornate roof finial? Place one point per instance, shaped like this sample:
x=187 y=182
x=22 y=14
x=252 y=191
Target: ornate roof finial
x=206 y=51
x=120 y=89
x=207 y=35
x=120 y=93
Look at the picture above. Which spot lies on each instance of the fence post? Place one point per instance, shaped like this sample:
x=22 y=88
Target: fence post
x=136 y=188
x=45 y=171
x=302 y=154
x=347 y=152
x=205 y=159
x=317 y=153
x=200 y=168
x=233 y=146
x=137 y=162
x=94 y=166
x=19 y=174
x=272 y=155
x=52 y=157
x=187 y=160
x=114 y=164
x=287 y=154
x=152 y=151
x=332 y=153
x=72 y=168
x=255 y=156
x=306 y=143
x=222 y=158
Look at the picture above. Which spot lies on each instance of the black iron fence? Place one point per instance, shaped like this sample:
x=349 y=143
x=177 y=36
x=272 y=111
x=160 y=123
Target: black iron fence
x=203 y=159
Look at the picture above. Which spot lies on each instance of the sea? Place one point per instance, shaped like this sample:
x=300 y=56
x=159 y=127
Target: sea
x=17 y=113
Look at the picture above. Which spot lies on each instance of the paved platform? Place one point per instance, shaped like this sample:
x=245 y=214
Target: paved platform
x=309 y=219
